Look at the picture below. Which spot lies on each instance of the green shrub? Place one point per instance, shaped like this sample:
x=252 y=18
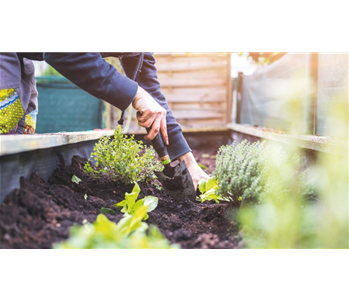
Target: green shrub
x=242 y=171
x=120 y=159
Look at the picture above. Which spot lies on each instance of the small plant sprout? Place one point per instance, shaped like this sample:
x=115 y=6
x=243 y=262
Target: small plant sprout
x=75 y=179
x=130 y=205
x=209 y=190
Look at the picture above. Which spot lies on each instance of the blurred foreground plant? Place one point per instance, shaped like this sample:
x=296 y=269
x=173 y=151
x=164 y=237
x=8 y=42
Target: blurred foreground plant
x=129 y=233
x=285 y=218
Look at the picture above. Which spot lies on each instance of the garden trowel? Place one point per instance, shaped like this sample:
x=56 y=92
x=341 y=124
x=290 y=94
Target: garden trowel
x=176 y=180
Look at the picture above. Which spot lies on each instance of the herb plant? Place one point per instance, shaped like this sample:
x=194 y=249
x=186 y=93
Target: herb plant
x=242 y=170
x=120 y=159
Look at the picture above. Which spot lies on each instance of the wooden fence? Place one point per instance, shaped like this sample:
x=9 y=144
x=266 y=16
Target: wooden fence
x=197 y=86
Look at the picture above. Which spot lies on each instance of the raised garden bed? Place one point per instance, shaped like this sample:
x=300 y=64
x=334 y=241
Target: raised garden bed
x=40 y=214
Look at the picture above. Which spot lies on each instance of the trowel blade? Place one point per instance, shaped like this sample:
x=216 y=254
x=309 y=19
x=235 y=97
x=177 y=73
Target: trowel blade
x=180 y=186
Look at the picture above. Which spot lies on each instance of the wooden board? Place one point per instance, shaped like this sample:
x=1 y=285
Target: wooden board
x=197 y=87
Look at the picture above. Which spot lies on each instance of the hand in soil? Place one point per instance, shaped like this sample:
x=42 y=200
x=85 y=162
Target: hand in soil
x=195 y=171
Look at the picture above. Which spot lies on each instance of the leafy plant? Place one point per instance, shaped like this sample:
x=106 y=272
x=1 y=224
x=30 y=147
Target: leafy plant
x=119 y=158
x=129 y=233
x=242 y=170
x=209 y=190
x=130 y=205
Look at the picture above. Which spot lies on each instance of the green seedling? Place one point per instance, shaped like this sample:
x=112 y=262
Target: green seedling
x=76 y=179
x=85 y=196
x=130 y=204
x=209 y=190
x=129 y=233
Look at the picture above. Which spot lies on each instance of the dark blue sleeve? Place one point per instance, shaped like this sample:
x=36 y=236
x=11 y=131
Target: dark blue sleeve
x=147 y=79
x=93 y=74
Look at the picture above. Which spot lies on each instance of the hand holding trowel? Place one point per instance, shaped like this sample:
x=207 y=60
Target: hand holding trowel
x=176 y=180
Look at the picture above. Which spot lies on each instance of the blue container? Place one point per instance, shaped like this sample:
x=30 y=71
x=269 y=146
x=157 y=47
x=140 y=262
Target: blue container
x=65 y=107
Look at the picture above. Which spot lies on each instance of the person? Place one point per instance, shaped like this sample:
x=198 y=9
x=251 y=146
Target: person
x=92 y=73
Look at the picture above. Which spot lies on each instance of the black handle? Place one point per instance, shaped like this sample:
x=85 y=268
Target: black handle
x=159 y=146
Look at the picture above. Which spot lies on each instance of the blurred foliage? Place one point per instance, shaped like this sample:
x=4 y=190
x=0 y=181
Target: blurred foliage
x=284 y=218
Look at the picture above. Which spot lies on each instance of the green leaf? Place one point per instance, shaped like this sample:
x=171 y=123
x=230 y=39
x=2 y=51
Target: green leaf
x=132 y=222
x=210 y=195
x=130 y=199
x=75 y=179
x=211 y=183
x=137 y=205
x=122 y=204
x=105 y=229
x=85 y=196
x=203 y=167
x=209 y=190
x=105 y=210
x=151 y=202
x=202 y=185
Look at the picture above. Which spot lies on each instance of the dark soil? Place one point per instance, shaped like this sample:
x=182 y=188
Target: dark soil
x=40 y=213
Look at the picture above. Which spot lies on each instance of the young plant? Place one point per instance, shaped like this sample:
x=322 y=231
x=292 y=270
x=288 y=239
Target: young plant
x=130 y=205
x=76 y=179
x=120 y=159
x=129 y=233
x=209 y=190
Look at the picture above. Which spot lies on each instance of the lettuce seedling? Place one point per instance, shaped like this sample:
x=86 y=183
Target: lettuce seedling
x=130 y=223
x=76 y=179
x=208 y=189
x=130 y=205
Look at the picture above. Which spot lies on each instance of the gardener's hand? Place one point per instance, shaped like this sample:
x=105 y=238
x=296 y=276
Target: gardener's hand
x=150 y=114
x=195 y=171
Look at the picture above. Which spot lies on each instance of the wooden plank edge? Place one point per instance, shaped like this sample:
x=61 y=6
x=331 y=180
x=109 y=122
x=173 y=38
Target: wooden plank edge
x=12 y=144
x=317 y=143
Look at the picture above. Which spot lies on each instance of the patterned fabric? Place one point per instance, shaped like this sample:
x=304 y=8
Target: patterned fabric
x=30 y=122
x=11 y=110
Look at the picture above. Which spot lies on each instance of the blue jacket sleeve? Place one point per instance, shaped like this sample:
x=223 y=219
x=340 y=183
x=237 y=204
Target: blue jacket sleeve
x=147 y=79
x=93 y=74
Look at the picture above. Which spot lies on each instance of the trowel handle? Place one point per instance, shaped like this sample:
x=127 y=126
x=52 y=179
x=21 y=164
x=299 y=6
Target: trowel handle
x=160 y=148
